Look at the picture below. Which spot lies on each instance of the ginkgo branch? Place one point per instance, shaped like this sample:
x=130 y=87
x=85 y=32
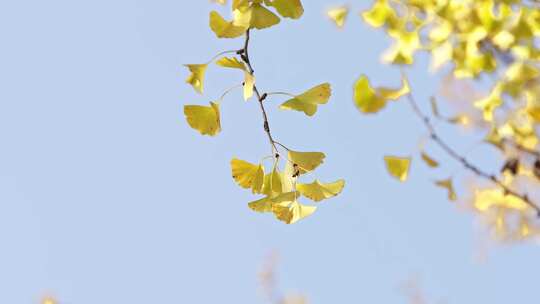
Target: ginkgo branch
x=244 y=54
x=466 y=163
x=227 y=91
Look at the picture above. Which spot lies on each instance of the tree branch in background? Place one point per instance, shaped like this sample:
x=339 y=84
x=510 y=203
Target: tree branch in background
x=461 y=159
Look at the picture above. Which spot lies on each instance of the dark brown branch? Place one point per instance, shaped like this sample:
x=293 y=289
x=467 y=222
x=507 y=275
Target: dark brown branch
x=244 y=54
x=468 y=165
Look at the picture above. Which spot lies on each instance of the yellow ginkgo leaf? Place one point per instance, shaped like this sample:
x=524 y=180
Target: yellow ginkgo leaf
x=318 y=191
x=248 y=175
x=394 y=94
x=258 y=182
x=308 y=101
x=487 y=198
x=380 y=14
x=231 y=62
x=441 y=55
x=240 y=4
x=222 y=2
x=225 y=29
x=261 y=205
x=249 y=83
x=288 y=210
x=429 y=160
x=289 y=8
x=370 y=100
x=404 y=48
x=449 y=186
x=204 y=119
x=365 y=97
x=398 y=167
x=261 y=17
x=196 y=78
x=306 y=161
x=289 y=176
x=504 y=40
x=338 y=15
x=272 y=184
x=249 y=79
x=490 y=103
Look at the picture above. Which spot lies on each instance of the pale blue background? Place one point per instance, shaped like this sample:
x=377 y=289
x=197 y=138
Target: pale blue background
x=107 y=196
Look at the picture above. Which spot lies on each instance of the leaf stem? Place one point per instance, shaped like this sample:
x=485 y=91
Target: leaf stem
x=229 y=90
x=280 y=93
x=220 y=54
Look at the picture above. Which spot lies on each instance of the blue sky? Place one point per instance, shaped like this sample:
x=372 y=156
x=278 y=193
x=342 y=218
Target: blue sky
x=107 y=195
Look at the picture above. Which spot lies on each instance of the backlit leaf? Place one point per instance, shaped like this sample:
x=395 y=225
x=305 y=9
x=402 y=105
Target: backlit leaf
x=489 y=198
x=272 y=185
x=428 y=160
x=262 y=205
x=287 y=209
x=395 y=94
x=231 y=62
x=249 y=83
x=398 y=167
x=289 y=8
x=380 y=14
x=204 y=119
x=308 y=101
x=370 y=100
x=196 y=78
x=338 y=15
x=318 y=191
x=306 y=161
x=261 y=17
x=248 y=175
x=449 y=186
x=225 y=29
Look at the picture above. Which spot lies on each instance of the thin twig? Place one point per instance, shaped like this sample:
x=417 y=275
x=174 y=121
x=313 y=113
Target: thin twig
x=468 y=165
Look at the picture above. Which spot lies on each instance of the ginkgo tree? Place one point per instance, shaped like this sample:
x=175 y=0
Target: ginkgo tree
x=470 y=39
x=280 y=183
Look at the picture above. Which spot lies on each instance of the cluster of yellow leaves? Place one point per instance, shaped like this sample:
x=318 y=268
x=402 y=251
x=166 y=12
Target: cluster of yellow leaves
x=469 y=33
x=472 y=38
x=510 y=217
x=254 y=14
x=476 y=37
x=280 y=189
